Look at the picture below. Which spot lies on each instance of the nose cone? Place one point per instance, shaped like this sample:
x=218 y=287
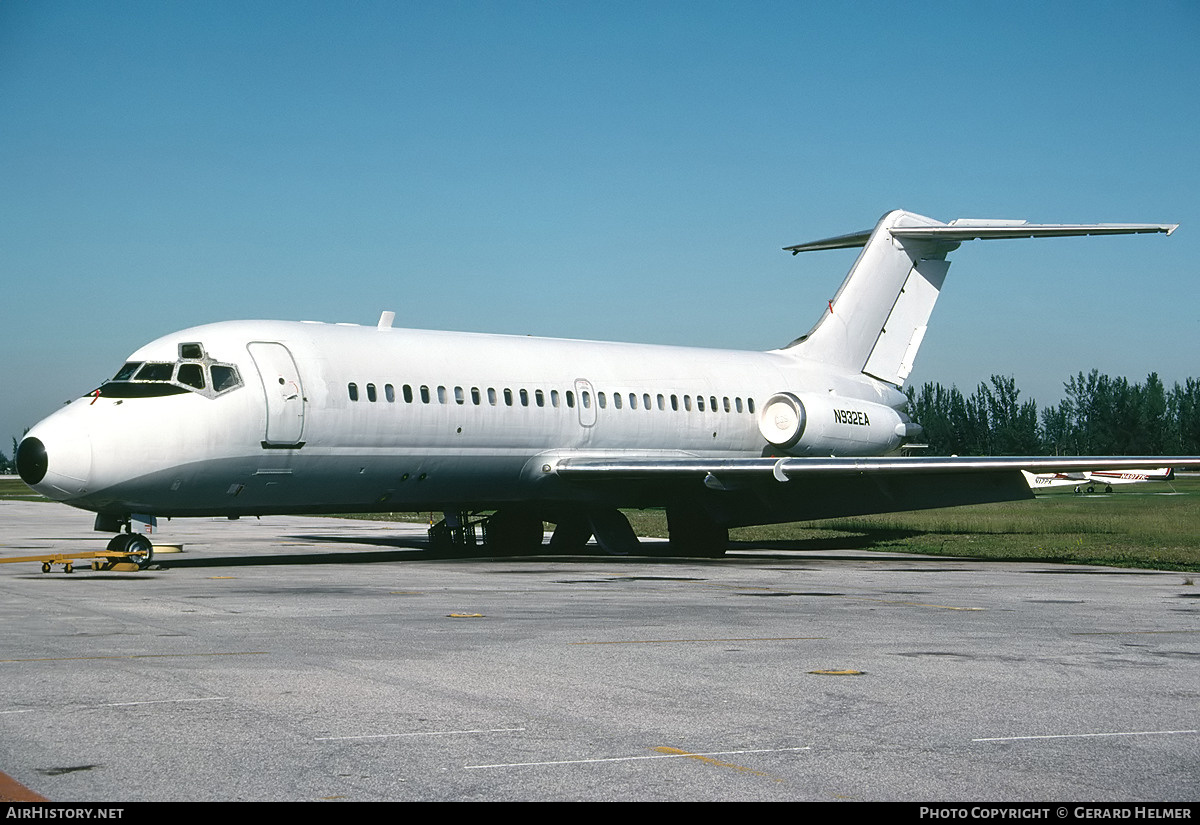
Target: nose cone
x=56 y=458
x=31 y=461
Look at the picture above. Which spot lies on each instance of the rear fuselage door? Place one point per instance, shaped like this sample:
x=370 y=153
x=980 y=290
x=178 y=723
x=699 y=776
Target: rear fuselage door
x=284 y=394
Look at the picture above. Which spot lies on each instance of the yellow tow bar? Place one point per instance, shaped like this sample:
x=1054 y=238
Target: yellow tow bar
x=111 y=560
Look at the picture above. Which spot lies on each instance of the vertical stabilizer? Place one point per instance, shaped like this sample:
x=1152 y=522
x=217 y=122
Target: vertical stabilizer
x=877 y=319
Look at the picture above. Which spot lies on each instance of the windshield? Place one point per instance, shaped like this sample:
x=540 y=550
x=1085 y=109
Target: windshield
x=195 y=371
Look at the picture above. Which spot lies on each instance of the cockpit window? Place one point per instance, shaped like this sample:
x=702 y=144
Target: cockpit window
x=224 y=378
x=126 y=372
x=155 y=372
x=192 y=375
x=195 y=371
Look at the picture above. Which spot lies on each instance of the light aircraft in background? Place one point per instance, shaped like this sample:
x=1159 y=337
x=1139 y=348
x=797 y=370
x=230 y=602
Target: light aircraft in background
x=1092 y=478
x=246 y=418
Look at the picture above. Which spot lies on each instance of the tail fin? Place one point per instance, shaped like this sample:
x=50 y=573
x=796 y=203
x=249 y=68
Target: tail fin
x=877 y=319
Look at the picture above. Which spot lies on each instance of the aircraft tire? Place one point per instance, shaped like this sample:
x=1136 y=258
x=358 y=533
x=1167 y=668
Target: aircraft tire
x=141 y=550
x=514 y=533
x=694 y=534
x=571 y=534
x=613 y=533
x=117 y=544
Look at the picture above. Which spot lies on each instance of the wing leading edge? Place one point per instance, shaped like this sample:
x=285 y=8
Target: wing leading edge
x=784 y=469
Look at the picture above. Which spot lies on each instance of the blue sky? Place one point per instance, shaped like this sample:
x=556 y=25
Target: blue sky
x=604 y=170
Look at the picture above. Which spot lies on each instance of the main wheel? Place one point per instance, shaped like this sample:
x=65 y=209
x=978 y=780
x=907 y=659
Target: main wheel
x=514 y=533
x=694 y=533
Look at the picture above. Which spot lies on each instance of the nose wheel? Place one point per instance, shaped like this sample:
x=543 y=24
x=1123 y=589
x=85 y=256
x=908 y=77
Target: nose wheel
x=138 y=548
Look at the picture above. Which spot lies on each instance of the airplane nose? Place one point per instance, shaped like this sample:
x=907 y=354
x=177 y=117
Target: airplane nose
x=32 y=461
x=56 y=458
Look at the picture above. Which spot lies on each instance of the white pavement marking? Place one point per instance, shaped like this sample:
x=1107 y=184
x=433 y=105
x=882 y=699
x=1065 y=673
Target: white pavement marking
x=634 y=758
x=419 y=733
x=1086 y=735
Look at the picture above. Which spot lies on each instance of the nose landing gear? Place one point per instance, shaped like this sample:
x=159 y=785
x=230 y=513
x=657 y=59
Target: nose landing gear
x=133 y=547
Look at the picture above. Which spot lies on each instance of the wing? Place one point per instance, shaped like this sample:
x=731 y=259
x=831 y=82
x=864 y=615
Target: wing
x=741 y=491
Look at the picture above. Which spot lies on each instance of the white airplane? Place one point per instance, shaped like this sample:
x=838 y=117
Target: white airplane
x=273 y=417
x=1091 y=478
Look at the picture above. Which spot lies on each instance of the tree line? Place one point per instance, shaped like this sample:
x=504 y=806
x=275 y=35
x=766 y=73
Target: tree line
x=1099 y=415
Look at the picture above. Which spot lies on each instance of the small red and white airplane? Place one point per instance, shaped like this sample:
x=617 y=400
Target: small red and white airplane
x=247 y=418
x=1093 y=478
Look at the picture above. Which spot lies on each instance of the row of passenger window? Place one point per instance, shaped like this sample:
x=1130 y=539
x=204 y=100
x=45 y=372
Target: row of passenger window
x=539 y=398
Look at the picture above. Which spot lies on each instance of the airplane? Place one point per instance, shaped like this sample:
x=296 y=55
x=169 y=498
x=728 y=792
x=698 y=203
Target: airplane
x=250 y=418
x=1091 y=478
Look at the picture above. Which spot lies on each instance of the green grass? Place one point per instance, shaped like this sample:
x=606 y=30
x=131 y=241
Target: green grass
x=13 y=489
x=1133 y=527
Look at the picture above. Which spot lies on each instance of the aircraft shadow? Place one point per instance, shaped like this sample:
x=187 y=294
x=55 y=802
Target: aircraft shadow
x=411 y=550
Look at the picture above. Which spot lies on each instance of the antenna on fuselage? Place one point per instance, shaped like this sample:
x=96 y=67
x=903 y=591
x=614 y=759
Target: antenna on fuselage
x=385 y=319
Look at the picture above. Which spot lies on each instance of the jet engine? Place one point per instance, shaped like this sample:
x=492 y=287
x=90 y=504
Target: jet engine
x=815 y=425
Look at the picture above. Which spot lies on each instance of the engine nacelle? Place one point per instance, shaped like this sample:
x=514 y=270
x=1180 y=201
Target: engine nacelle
x=832 y=425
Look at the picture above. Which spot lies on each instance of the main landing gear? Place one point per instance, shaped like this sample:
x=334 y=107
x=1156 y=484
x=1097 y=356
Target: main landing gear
x=520 y=532
x=503 y=533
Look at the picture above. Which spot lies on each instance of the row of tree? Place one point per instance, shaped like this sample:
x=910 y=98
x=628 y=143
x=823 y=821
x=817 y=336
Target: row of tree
x=1099 y=415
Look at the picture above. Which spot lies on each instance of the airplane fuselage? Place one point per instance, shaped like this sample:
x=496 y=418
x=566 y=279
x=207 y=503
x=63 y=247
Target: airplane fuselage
x=330 y=417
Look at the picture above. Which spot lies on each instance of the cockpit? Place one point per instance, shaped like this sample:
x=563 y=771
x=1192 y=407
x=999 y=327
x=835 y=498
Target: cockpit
x=194 y=371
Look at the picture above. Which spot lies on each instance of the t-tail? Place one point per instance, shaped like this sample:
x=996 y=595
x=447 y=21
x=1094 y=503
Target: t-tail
x=877 y=320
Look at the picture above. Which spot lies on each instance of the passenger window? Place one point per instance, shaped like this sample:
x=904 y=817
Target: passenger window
x=475 y=397
x=617 y=400
x=192 y=375
x=674 y=402
x=632 y=401
x=737 y=403
x=459 y=398
x=750 y=405
x=507 y=397
x=539 y=398
x=389 y=392
x=492 y=396
x=700 y=403
x=646 y=401
x=524 y=398
x=726 y=403
x=554 y=398
x=371 y=393
x=424 y=394
x=662 y=405
x=600 y=399
x=408 y=396
x=570 y=399
x=441 y=395
x=585 y=398
x=353 y=388
x=687 y=403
